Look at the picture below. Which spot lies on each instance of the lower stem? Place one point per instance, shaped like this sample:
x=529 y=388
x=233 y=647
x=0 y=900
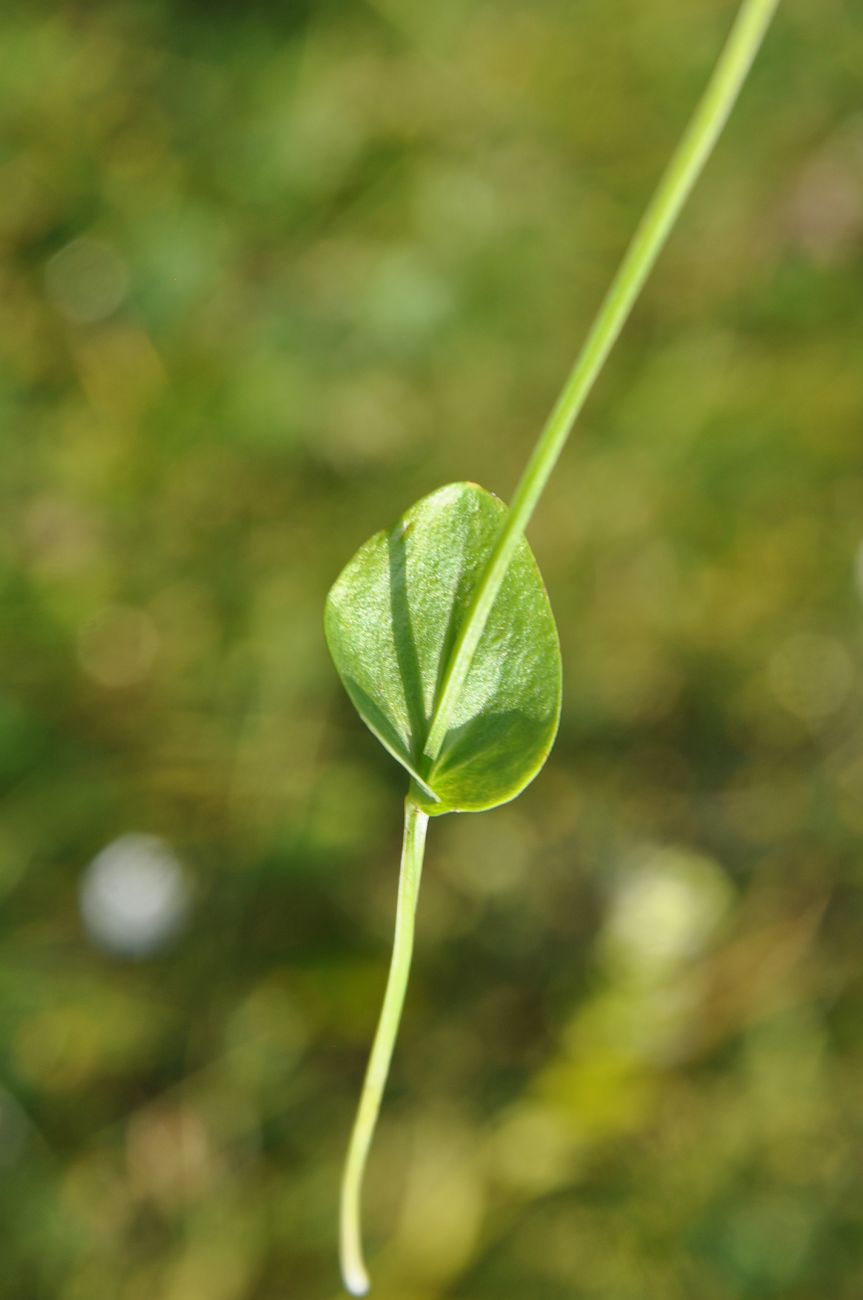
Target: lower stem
x=354 y=1273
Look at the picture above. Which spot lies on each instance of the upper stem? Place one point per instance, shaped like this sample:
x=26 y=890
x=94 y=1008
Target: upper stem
x=651 y=234
x=354 y=1273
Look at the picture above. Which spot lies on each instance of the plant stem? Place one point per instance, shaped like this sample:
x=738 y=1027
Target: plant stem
x=663 y=210
x=354 y=1272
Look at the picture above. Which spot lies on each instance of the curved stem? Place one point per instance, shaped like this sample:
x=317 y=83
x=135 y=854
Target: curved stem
x=663 y=210
x=354 y=1273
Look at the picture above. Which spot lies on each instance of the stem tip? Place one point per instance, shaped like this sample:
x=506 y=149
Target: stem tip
x=356 y=1279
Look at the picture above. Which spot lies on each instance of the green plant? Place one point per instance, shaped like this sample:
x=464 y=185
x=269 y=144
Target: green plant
x=441 y=630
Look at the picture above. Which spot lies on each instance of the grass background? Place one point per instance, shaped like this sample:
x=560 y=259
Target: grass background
x=268 y=273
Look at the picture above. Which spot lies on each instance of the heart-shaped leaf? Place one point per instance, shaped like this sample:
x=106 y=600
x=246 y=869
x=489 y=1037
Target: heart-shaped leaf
x=392 y=619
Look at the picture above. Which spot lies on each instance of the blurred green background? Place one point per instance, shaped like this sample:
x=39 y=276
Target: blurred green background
x=270 y=272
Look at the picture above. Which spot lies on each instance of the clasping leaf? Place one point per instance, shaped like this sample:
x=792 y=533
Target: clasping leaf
x=392 y=620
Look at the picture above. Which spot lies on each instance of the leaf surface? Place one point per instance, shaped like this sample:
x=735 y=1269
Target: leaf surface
x=392 y=618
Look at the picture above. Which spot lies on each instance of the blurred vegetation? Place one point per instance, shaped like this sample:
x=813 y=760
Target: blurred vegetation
x=269 y=274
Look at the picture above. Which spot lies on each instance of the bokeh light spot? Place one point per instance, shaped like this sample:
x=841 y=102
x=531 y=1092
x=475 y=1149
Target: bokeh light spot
x=134 y=896
x=810 y=675
x=87 y=280
x=118 y=647
x=667 y=904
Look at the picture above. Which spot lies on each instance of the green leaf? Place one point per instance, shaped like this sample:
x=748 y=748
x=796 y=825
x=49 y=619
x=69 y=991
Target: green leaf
x=392 y=619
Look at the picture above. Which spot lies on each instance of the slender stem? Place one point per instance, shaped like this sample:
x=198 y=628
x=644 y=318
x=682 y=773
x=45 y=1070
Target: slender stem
x=354 y=1273
x=663 y=210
